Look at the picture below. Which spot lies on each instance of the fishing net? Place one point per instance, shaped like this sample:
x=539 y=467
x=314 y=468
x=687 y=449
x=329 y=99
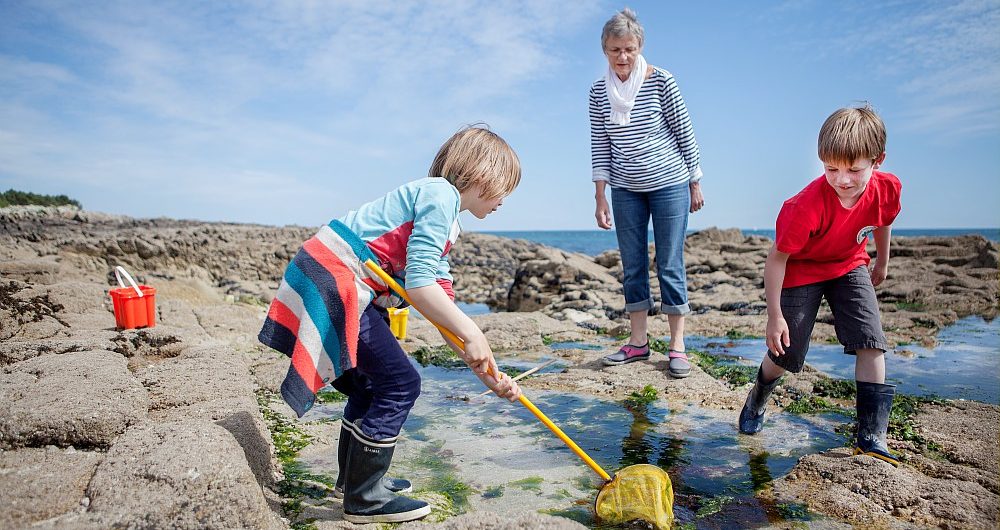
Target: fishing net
x=642 y=492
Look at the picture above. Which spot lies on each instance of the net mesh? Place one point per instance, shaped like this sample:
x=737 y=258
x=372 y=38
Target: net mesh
x=639 y=492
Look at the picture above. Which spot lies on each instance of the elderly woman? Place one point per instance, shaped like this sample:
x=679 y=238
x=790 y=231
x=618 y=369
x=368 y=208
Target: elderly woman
x=643 y=145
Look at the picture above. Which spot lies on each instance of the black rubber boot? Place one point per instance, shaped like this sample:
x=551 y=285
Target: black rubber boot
x=752 y=415
x=366 y=499
x=874 y=404
x=395 y=485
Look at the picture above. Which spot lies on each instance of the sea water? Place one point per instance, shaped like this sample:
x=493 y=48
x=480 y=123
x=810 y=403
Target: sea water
x=594 y=242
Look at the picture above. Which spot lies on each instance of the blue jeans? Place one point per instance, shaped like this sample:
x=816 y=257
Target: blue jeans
x=384 y=385
x=668 y=208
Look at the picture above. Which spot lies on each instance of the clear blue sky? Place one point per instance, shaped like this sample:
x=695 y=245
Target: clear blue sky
x=295 y=112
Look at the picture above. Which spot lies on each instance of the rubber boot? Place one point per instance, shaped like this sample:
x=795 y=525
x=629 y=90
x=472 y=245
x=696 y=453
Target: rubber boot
x=366 y=499
x=874 y=404
x=752 y=415
x=395 y=485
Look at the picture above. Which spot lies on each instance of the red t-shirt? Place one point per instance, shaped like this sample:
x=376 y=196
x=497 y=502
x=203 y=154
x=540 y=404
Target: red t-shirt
x=824 y=240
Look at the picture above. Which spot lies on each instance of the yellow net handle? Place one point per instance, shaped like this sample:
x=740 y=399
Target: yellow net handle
x=522 y=398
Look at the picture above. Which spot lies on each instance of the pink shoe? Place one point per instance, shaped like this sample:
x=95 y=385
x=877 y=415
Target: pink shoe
x=679 y=367
x=627 y=354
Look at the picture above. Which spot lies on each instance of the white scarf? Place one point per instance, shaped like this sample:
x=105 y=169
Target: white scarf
x=621 y=94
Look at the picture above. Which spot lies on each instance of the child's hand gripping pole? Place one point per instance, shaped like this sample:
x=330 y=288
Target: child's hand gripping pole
x=523 y=399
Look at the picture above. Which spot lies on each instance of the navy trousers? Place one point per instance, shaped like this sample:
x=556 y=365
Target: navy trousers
x=384 y=385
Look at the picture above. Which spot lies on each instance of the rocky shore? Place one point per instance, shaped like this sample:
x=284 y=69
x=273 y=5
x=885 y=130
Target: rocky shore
x=176 y=426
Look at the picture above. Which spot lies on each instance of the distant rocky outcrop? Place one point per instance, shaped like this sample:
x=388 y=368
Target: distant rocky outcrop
x=933 y=281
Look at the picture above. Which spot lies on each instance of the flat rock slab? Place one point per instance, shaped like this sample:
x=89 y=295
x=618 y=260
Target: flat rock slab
x=186 y=380
x=212 y=383
x=42 y=483
x=12 y=351
x=866 y=491
x=84 y=399
x=183 y=475
x=490 y=521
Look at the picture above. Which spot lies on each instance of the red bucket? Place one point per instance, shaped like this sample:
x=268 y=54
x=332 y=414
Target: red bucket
x=135 y=306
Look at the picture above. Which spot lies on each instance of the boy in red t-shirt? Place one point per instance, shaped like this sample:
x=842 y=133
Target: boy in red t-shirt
x=819 y=251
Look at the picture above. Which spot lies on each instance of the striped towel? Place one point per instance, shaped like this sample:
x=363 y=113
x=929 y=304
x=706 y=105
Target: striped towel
x=315 y=315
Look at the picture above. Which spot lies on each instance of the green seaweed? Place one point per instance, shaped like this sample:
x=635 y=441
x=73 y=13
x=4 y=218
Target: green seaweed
x=735 y=334
x=713 y=505
x=916 y=307
x=529 y=483
x=793 y=511
x=581 y=515
x=811 y=405
x=547 y=340
x=835 y=388
x=640 y=399
x=441 y=356
x=735 y=374
x=493 y=492
x=443 y=479
x=298 y=483
x=901 y=423
x=659 y=345
x=329 y=396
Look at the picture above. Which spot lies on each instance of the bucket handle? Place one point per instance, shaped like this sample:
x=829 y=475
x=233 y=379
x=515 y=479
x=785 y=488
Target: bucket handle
x=118 y=275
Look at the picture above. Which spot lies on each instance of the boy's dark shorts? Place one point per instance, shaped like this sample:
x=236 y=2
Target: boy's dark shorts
x=855 y=316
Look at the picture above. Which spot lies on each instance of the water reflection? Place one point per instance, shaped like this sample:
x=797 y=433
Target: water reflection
x=640 y=447
x=968 y=351
x=760 y=474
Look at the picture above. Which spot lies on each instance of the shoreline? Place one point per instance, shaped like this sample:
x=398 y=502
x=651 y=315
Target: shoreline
x=180 y=401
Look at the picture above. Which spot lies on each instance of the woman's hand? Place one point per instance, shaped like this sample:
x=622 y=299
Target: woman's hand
x=603 y=212
x=697 y=199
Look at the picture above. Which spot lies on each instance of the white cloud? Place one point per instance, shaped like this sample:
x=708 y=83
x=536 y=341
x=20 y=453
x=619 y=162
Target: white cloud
x=943 y=57
x=187 y=96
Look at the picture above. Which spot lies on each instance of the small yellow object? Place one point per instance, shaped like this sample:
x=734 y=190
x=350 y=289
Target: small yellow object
x=397 y=321
x=642 y=492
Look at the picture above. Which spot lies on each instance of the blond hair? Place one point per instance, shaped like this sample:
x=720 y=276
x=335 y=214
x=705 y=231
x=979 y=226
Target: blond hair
x=851 y=133
x=474 y=156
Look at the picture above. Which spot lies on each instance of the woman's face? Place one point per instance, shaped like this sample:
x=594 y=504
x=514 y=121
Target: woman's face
x=621 y=53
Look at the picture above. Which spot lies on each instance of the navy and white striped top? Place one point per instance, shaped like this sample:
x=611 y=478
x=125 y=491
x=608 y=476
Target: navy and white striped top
x=656 y=149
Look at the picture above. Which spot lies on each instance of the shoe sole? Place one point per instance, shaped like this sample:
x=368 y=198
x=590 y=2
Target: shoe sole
x=679 y=375
x=401 y=517
x=889 y=460
x=626 y=361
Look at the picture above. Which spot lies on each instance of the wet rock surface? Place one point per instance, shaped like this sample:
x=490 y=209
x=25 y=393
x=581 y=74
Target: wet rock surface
x=161 y=426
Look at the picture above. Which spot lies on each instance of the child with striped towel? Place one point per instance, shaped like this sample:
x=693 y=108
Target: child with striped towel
x=329 y=312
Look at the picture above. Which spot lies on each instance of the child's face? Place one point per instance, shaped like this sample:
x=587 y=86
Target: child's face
x=479 y=206
x=483 y=207
x=850 y=180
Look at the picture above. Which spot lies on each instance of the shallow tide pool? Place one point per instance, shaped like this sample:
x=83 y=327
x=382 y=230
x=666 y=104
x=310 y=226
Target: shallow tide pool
x=491 y=455
x=965 y=364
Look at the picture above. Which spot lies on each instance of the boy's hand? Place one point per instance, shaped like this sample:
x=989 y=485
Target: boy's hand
x=503 y=386
x=776 y=335
x=878 y=271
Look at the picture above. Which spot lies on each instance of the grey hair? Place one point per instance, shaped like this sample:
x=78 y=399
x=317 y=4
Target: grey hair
x=622 y=24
